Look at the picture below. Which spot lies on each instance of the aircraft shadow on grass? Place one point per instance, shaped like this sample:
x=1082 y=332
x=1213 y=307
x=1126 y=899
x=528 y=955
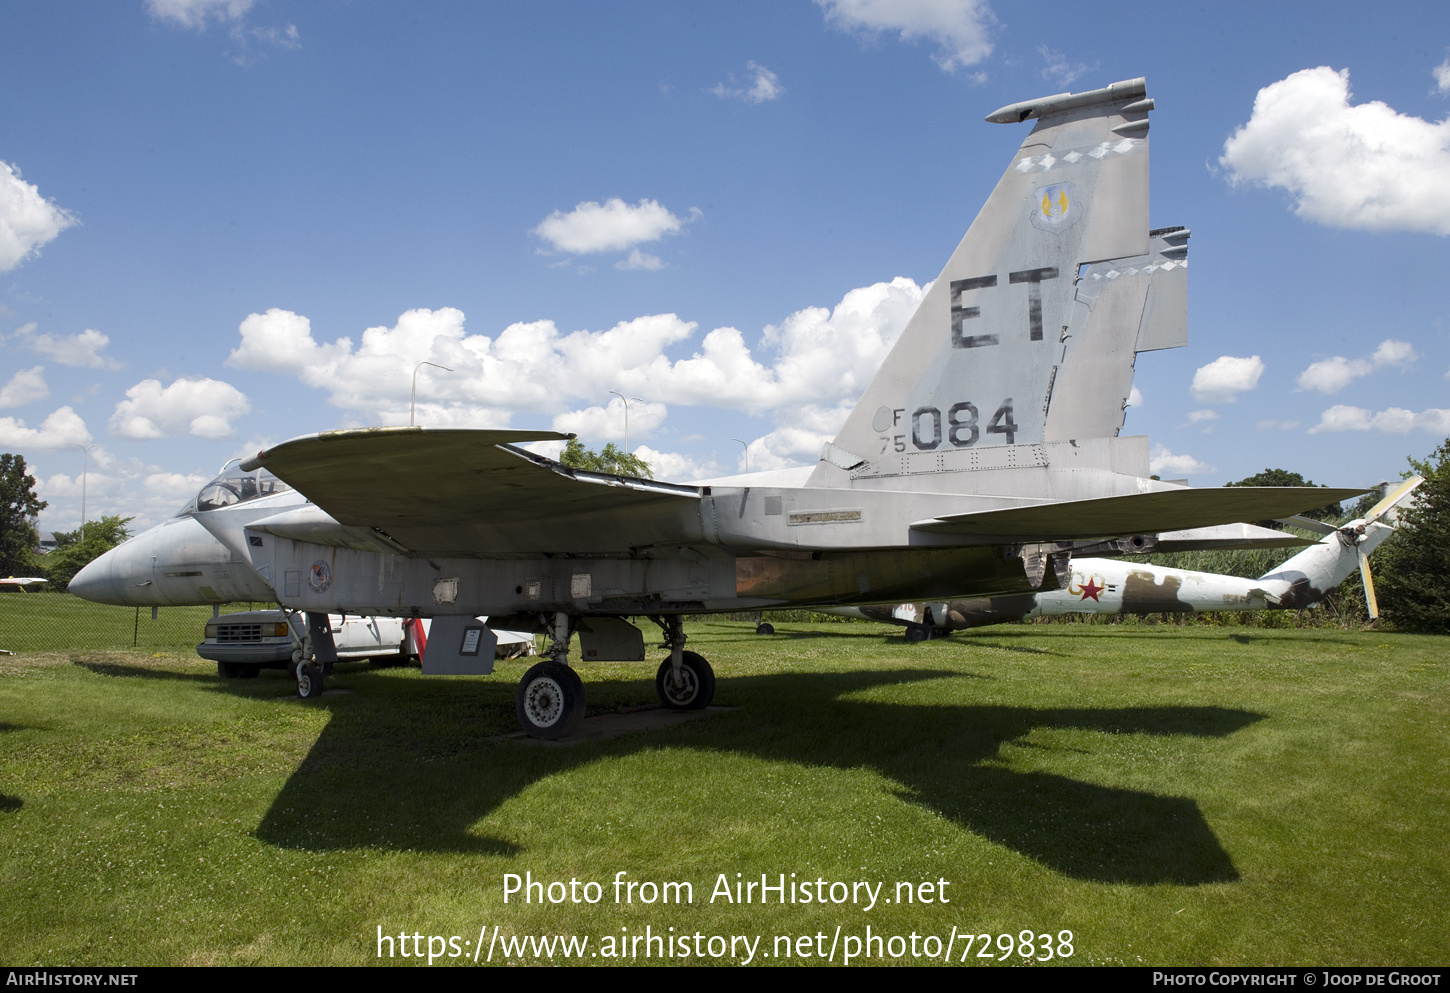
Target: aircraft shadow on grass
x=378 y=777
x=8 y=802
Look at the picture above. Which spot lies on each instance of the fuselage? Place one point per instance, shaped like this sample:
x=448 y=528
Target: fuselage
x=257 y=548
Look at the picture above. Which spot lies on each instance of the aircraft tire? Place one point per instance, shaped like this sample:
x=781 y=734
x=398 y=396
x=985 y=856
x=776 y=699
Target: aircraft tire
x=765 y=627
x=550 y=701
x=699 y=684
x=309 y=681
x=917 y=632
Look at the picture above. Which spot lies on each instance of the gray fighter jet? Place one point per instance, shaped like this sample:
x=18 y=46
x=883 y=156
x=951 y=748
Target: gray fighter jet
x=982 y=455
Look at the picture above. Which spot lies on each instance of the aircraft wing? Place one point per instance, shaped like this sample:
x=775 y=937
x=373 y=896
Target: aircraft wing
x=460 y=492
x=1135 y=513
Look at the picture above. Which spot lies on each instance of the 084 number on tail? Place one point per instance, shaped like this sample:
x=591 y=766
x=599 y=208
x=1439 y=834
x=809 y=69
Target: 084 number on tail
x=960 y=427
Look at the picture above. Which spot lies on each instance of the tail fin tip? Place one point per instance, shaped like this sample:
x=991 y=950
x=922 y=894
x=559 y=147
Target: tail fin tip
x=1058 y=103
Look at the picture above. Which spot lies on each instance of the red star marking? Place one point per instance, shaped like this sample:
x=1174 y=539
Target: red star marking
x=1092 y=589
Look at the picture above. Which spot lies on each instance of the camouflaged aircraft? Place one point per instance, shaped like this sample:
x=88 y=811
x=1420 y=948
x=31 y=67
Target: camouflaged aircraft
x=1111 y=586
x=982 y=456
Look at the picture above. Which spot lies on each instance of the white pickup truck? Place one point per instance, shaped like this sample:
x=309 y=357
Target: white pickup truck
x=244 y=644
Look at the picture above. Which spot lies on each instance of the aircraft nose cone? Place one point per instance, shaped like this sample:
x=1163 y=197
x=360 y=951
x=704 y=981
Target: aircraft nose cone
x=100 y=581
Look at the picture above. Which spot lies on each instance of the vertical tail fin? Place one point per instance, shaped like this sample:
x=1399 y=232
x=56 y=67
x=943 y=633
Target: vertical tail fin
x=1029 y=333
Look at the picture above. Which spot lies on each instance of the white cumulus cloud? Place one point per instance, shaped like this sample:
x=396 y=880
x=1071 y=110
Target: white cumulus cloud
x=671 y=467
x=763 y=85
x=63 y=427
x=83 y=349
x=1336 y=372
x=26 y=386
x=204 y=408
x=1442 y=75
x=1164 y=463
x=1223 y=379
x=1354 y=166
x=959 y=28
x=608 y=423
x=129 y=488
x=805 y=371
x=231 y=14
x=640 y=260
x=27 y=219
x=195 y=13
x=1058 y=69
x=281 y=341
x=1395 y=420
x=800 y=433
x=611 y=226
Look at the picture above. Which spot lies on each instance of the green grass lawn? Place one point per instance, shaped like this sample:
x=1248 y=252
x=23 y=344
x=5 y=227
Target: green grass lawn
x=1170 y=795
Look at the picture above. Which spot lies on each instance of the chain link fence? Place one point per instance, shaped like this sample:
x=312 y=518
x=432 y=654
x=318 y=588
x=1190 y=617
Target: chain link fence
x=59 y=622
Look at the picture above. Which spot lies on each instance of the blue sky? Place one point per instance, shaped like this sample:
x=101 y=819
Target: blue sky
x=231 y=222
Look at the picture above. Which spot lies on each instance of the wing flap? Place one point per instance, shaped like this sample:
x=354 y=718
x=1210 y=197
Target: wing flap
x=1135 y=513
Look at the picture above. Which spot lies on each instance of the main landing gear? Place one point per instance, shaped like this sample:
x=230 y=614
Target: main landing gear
x=918 y=632
x=685 y=680
x=550 y=700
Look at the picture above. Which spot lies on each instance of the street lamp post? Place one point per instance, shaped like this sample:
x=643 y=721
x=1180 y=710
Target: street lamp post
x=626 y=416
x=413 y=409
x=747 y=453
x=85 y=466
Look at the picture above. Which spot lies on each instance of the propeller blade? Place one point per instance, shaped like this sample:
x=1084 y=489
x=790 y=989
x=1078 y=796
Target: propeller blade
x=1308 y=524
x=1369 y=600
x=1393 y=497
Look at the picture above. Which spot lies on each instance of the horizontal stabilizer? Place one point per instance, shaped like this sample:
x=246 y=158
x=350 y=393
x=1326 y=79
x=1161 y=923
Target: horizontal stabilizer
x=1228 y=536
x=1135 y=513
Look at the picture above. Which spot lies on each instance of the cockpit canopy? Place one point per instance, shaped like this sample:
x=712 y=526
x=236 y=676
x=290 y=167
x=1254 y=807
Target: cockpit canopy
x=233 y=486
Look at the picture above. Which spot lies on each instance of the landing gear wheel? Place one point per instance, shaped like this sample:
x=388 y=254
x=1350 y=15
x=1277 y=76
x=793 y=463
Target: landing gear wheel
x=765 y=627
x=550 y=701
x=309 y=681
x=696 y=686
x=917 y=632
